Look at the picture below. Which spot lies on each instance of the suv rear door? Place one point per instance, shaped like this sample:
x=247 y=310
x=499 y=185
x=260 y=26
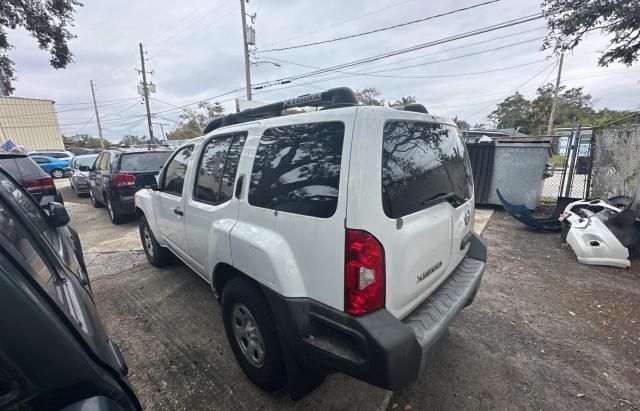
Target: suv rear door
x=412 y=191
x=212 y=209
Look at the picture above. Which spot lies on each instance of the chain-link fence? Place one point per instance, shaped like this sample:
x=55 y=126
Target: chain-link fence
x=616 y=160
x=567 y=174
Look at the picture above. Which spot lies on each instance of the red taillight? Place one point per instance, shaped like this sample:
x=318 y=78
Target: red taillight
x=44 y=185
x=124 y=180
x=363 y=273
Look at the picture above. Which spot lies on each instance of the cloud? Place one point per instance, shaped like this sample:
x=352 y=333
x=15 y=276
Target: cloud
x=195 y=51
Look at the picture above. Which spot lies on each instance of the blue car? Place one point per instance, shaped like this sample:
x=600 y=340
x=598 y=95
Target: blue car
x=53 y=166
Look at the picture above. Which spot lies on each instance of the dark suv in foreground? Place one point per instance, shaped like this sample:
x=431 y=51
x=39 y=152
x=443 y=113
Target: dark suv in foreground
x=118 y=174
x=38 y=183
x=54 y=351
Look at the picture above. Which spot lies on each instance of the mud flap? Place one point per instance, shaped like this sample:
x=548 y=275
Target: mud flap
x=301 y=381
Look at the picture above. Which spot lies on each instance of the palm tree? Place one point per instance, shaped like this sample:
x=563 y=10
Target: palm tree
x=404 y=101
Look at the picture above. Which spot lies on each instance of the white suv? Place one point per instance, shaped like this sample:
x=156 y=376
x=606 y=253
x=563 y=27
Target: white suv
x=337 y=240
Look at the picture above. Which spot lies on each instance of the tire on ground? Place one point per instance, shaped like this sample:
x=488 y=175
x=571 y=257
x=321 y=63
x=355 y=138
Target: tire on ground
x=271 y=375
x=157 y=255
x=94 y=200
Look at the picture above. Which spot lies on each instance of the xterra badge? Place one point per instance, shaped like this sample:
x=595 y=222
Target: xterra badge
x=428 y=272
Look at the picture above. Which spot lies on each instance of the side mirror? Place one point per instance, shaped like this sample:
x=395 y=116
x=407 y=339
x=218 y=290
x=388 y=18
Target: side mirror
x=84 y=168
x=58 y=216
x=153 y=186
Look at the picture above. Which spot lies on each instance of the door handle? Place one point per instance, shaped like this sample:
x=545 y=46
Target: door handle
x=239 y=186
x=178 y=211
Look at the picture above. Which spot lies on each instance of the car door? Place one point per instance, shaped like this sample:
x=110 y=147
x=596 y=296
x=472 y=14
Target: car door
x=169 y=205
x=43 y=162
x=102 y=178
x=212 y=209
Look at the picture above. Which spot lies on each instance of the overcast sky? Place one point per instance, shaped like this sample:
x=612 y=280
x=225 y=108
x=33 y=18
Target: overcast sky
x=195 y=51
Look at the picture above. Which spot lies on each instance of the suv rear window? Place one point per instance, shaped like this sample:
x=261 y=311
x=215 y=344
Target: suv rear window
x=297 y=169
x=420 y=162
x=151 y=161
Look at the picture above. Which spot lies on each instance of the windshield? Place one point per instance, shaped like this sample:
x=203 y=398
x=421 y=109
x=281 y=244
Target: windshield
x=151 y=161
x=421 y=162
x=85 y=161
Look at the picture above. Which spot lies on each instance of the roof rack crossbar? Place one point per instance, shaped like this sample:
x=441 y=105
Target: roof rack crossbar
x=333 y=98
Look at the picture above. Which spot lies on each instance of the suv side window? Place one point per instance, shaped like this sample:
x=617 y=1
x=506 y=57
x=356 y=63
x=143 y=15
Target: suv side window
x=16 y=234
x=297 y=169
x=173 y=180
x=106 y=162
x=41 y=160
x=217 y=170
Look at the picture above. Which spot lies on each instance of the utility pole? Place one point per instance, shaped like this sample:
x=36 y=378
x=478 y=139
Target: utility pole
x=95 y=107
x=164 y=135
x=555 y=96
x=145 y=90
x=247 y=64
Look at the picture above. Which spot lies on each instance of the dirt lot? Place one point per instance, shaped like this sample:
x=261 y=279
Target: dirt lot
x=544 y=332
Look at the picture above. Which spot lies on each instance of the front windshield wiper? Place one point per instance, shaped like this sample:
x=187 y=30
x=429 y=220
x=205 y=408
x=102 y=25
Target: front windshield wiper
x=453 y=198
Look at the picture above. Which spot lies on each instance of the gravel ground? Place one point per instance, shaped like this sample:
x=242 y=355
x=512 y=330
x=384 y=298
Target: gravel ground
x=544 y=333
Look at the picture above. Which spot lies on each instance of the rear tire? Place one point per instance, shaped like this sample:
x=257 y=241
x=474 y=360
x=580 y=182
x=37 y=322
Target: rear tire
x=114 y=216
x=94 y=200
x=251 y=331
x=57 y=173
x=157 y=255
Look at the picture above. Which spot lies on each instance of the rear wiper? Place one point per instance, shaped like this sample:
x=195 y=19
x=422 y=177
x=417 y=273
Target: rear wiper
x=454 y=198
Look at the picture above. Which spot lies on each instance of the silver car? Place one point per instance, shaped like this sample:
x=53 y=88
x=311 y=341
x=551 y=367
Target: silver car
x=80 y=166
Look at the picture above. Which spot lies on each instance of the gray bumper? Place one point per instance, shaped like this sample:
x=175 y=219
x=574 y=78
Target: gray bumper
x=430 y=321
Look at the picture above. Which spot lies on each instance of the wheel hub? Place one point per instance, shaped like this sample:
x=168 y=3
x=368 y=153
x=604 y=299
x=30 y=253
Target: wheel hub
x=247 y=335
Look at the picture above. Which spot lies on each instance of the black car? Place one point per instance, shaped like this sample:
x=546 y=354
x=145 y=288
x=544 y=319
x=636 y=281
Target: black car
x=118 y=174
x=27 y=172
x=54 y=351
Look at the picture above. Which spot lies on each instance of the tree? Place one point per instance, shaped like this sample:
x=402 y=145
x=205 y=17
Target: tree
x=462 y=124
x=569 y=20
x=86 y=141
x=193 y=122
x=368 y=97
x=404 y=101
x=512 y=112
x=532 y=116
x=46 y=20
x=131 y=140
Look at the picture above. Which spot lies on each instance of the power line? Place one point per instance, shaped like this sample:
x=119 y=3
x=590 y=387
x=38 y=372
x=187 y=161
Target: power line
x=308 y=33
x=420 y=46
x=376 y=73
x=367 y=60
x=553 y=66
x=395 y=26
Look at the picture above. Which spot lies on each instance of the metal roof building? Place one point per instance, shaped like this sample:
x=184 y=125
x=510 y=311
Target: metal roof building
x=29 y=122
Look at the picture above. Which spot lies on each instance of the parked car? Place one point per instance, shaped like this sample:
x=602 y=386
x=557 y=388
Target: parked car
x=118 y=174
x=54 y=167
x=59 y=154
x=80 y=168
x=54 y=351
x=26 y=171
x=338 y=240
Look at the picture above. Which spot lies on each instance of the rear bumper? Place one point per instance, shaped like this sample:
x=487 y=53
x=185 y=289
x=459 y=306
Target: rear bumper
x=123 y=204
x=376 y=348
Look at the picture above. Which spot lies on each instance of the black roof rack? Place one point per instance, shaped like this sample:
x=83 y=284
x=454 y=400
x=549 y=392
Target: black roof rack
x=418 y=108
x=333 y=98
